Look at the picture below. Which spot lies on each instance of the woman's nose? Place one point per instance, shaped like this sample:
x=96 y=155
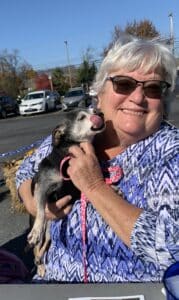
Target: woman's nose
x=137 y=95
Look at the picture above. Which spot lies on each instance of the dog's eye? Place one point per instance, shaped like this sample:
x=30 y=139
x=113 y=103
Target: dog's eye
x=81 y=117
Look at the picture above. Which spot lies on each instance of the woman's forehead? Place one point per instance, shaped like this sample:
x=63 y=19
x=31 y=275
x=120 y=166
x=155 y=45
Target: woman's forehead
x=139 y=72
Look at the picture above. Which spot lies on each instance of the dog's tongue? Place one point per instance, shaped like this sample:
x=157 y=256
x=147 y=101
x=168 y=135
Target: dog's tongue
x=97 y=121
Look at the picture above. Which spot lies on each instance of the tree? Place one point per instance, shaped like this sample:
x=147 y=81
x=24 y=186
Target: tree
x=87 y=70
x=141 y=29
x=12 y=69
x=26 y=79
x=60 y=83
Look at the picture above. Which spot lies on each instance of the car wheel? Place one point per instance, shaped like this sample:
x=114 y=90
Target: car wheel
x=3 y=114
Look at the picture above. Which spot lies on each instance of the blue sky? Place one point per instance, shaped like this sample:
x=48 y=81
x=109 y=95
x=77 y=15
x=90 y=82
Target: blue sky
x=38 y=28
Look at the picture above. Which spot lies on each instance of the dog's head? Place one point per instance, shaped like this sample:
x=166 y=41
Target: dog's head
x=77 y=126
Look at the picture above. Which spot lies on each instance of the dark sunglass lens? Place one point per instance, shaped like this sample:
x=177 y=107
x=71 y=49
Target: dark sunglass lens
x=153 y=90
x=123 y=85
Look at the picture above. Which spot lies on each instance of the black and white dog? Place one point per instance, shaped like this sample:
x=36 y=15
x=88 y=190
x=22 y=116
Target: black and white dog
x=49 y=183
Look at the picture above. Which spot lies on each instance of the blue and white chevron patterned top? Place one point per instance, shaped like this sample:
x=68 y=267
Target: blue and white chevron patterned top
x=150 y=181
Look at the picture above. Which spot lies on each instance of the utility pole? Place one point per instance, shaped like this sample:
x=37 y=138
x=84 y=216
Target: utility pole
x=51 y=83
x=171 y=33
x=68 y=61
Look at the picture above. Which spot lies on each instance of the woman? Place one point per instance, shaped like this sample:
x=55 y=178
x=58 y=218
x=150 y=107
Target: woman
x=130 y=236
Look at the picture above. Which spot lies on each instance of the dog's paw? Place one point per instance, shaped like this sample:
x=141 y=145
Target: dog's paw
x=41 y=270
x=34 y=237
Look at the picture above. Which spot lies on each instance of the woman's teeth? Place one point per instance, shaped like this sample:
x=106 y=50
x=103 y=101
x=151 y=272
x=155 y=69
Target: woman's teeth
x=132 y=112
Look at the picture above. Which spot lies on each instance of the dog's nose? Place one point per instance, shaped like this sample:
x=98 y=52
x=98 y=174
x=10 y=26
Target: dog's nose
x=97 y=121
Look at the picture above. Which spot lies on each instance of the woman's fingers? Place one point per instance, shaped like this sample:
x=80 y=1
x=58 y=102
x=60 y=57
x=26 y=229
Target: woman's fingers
x=61 y=203
x=59 y=209
x=87 y=148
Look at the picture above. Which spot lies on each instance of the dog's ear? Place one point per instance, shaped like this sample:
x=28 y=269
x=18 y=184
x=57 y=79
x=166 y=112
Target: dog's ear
x=57 y=134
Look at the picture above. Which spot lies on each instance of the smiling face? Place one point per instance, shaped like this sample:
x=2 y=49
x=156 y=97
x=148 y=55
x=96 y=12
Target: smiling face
x=133 y=116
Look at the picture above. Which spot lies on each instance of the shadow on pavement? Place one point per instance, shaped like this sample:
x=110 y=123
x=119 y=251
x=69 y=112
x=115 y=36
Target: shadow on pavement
x=3 y=195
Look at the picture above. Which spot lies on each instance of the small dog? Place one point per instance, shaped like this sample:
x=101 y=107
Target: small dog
x=49 y=183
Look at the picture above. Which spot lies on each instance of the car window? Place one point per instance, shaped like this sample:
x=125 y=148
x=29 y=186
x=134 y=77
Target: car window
x=9 y=100
x=5 y=100
x=47 y=93
x=74 y=93
x=34 y=96
x=56 y=94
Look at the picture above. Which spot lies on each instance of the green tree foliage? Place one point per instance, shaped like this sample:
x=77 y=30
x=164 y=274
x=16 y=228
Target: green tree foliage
x=60 y=83
x=141 y=29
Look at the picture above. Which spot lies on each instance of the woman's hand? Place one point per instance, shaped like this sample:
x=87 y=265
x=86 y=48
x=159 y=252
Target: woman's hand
x=59 y=209
x=85 y=172
x=84 y=169
x=53 y=211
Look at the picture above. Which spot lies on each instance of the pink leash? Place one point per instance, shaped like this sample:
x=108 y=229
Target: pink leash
x=84 y=201
x=116 y=174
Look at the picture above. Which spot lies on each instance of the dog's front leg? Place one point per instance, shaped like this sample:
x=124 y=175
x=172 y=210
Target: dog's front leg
x=39 y=251
x=37 y=232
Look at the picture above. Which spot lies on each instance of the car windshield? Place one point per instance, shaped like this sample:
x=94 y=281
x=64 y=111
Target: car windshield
x=74 y=93
x=33 y=96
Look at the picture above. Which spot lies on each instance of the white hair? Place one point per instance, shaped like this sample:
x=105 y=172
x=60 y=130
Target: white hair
x=143 y=55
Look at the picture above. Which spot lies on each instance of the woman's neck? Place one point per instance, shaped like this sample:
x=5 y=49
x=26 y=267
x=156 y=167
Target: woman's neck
x=107 y=146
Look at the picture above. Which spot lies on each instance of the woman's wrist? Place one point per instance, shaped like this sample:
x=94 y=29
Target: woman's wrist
x=26 y=196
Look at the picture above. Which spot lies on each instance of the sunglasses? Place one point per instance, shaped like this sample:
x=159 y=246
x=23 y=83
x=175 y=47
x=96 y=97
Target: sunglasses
x=126 y=85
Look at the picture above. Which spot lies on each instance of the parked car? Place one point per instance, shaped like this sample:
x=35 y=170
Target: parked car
x=73 y=98
x=8 y=105
x=37 y=102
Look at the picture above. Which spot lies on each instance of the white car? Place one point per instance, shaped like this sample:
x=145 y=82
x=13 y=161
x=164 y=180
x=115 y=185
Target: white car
x=37 y=102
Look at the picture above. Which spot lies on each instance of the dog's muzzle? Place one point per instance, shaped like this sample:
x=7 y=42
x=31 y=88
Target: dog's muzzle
x=97 y=121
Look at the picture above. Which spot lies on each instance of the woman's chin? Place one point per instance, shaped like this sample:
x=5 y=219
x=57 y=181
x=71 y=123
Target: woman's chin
x=135 y=132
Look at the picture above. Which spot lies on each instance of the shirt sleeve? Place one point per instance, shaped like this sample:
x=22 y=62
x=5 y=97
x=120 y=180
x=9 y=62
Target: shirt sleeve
x=29 y=166
x=155 y=236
